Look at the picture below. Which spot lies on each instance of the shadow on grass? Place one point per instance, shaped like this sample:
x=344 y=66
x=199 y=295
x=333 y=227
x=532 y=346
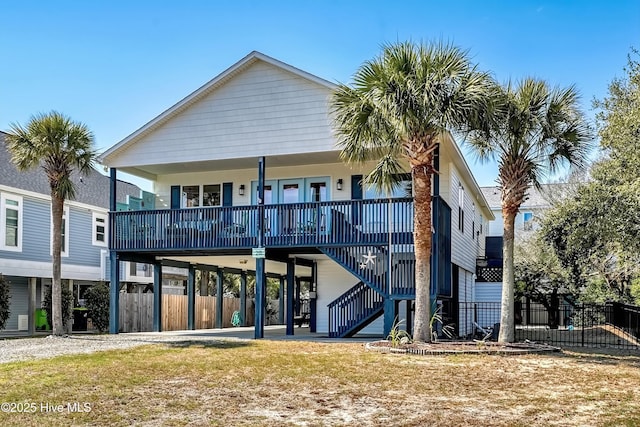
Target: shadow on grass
x=221 y=343
x=599 y=355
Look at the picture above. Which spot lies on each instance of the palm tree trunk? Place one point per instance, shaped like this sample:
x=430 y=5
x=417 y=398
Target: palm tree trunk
x=57 y=205
x=507 y=327
x=422 y=248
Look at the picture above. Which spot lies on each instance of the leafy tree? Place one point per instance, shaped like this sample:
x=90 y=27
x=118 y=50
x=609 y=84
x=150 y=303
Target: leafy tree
x=538 y=129
x=97 y=302
x=5 y=297
x=539 y=275
x=61 y=147
x=596 y=234
x=618 y=121
x=66 y=305
x=397 y=111
x=595 y=237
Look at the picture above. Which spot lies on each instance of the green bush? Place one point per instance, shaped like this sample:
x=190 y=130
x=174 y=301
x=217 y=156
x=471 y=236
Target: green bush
x=67 y=305
x=5 y=296
x=97 y=302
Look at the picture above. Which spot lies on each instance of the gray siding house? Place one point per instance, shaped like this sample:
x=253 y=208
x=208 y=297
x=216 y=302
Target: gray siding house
x=25 y=236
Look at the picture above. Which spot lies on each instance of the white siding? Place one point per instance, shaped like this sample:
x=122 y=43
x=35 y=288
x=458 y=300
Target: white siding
x=162 y=187
x=333 y=281
x=465 y=294
x=263 y=110
x=464 y=248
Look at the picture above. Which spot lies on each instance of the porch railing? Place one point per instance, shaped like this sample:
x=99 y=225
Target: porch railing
x=296 y=224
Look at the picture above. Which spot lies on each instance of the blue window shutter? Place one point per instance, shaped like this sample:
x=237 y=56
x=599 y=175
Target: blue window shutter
x=356 y=194
x=227 y=194
x=175 y=197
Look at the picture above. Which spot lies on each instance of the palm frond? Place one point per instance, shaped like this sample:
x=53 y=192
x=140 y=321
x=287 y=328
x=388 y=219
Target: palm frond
x=57 y=144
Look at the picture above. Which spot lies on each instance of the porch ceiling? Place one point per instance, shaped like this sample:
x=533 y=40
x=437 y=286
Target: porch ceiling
x=237 y=262
x=153 y=170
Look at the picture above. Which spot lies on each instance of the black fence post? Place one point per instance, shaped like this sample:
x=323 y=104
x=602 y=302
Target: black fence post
x=583 y=324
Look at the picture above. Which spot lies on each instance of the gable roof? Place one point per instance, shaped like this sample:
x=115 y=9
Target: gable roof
x=205 y=90
x=92 y=189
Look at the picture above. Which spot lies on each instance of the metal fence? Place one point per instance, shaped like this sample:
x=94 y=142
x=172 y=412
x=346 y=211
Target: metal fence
x=610 y=325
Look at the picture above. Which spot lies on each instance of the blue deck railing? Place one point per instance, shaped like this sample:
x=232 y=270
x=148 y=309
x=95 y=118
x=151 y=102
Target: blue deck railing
x=362 y=222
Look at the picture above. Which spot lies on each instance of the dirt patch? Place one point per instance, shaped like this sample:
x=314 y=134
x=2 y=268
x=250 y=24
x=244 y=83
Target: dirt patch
x=460 y=347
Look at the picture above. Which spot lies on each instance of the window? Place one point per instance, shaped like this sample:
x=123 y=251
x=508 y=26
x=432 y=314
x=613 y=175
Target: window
x=460 y=208
x=473 y=222
x=194 y=196
x=190 y=196
x=211 y=195
x=318 y=191
x=64 y=232
x=528 y=221
x=11 y=222
x=99 y=229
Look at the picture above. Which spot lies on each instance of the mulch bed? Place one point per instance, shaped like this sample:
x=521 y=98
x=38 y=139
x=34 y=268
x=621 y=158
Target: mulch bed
x=460 y=347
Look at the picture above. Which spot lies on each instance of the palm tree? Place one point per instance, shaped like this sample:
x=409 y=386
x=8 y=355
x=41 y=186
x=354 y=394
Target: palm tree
x=60 y=146
x=400 y=106
x=539 y=130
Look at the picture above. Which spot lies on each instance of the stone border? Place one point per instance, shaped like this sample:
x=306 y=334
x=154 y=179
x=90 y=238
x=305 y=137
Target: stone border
x=466 y=347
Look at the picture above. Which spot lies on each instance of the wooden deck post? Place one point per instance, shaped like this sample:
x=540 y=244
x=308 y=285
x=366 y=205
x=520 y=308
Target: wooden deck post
x=243 y=298
x=114 y=279
x=191 y=298
x=219 y=297
x=313 y=289
x=409 y=324
x=389 y=314
x=31 y=290
x=260 y=262
x=157 y=297
x=291 y=271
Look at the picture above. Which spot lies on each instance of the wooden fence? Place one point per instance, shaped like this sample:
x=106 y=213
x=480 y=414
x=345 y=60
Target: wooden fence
x=136 y=312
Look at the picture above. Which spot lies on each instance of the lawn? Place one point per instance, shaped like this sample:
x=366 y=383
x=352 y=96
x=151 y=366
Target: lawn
x=301 y=383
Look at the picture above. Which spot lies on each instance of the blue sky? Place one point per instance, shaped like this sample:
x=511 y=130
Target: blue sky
x=115 y=65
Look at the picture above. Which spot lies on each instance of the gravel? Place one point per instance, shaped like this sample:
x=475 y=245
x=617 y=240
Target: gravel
x=19 y=349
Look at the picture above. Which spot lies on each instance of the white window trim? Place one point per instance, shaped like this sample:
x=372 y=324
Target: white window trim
x=67 y=218
x=3 y=221
x=184 y=203
x=94 y=230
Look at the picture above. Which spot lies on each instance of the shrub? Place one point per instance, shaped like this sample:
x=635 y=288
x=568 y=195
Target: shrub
x=67 y=305
x=97 y=302
x=5 y=296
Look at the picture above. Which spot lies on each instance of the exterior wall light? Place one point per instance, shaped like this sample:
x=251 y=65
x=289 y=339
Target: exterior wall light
x=339 y=184
x=241 y=190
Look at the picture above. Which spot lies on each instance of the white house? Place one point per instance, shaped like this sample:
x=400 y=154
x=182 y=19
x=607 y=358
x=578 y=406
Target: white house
x=264 y=120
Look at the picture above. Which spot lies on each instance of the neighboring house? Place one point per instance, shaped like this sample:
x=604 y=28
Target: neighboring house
x=318 y=223
x=527 y=220
x=25 y=236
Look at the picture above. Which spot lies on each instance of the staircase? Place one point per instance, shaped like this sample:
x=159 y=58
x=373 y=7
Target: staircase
x=354 y=310
x=370 y=263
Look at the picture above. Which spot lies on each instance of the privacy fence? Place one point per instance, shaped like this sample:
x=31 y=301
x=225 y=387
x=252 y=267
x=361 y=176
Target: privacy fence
x=611 y=325
x=136 y=312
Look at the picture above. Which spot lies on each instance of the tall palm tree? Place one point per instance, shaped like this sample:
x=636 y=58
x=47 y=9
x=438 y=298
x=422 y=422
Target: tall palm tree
x=60 y=146
x=539 y=130
x=399 y=107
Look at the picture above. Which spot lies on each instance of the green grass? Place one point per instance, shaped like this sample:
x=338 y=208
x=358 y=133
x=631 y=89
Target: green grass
x=289 y=383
